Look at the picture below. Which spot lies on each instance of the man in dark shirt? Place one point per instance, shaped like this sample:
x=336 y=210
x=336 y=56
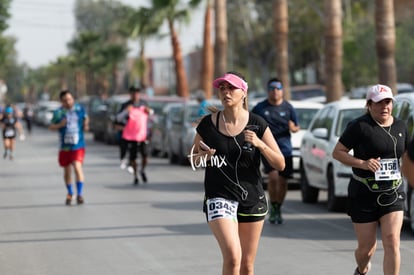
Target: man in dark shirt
x=282 y=120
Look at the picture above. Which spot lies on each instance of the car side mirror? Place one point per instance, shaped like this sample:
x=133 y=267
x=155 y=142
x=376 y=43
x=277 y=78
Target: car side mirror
x=320 y=133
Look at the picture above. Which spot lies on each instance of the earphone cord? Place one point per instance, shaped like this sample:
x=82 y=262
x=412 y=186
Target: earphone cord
x=237 y=183
x=394 y=141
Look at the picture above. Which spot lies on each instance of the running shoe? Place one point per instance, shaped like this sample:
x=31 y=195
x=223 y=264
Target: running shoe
x=359 y=273
x=79 y=199
x=130 y=169
x=275 y=214
x=279 y=219
x=68 y=199
x=136 y=181
x=144 y=176
x=124 y=164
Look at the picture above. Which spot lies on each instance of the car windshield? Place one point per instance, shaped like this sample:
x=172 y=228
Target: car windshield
x=157 y=106
x=345 y=116
x=305 y=116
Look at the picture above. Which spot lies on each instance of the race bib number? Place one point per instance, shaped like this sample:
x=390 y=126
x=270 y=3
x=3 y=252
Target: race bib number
x=389 y=170
x=9 y=133
x=221 y=208
x=71 y=138
x=72 y=129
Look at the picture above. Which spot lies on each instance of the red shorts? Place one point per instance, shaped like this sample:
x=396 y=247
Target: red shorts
x=67 y=157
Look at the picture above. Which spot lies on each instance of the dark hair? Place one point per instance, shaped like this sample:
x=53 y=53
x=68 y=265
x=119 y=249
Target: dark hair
x=63 y=93
x=238 y=74
x=273 y=79
x=133 y=89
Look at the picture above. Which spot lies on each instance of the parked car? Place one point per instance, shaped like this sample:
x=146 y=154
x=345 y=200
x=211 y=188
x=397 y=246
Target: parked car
x=104 y=122
x=43 y=112
x=160 y=128
x=95 y=108
x=184 y=119
x=404 y=109
x=305 y=111
x=318 y=169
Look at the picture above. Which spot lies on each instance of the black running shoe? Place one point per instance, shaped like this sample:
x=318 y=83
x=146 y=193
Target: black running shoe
x=79 y=199
x=68 y=199
x=144 y=176
x=136 y=181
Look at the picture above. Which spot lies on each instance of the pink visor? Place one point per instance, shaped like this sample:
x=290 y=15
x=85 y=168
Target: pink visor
x=234 y=80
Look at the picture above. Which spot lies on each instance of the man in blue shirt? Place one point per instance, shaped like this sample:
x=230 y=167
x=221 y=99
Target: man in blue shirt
x=282 y=120
x=71 y=121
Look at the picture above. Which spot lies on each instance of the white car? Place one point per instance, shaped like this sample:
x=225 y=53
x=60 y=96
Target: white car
x=319 y=171
x=404 y=109
x=305 y=111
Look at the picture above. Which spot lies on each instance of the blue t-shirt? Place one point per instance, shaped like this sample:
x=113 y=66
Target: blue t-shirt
x=278 y=116
x=202 y=110
x=71 y=136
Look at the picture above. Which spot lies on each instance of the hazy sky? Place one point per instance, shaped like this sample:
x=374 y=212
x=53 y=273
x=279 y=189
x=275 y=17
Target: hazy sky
x=44 y=27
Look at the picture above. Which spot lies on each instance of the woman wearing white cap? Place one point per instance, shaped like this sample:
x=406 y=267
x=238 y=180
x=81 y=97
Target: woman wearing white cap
x=235 y=203
x=375 y=193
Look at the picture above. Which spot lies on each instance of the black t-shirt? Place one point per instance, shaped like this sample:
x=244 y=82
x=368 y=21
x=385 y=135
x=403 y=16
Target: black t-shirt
x=370 y=140
x=240 y=166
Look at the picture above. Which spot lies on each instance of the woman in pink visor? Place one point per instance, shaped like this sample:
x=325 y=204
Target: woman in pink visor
x=228 y=144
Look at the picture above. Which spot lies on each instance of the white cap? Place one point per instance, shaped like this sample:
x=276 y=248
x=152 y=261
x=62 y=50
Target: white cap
x=379 y=92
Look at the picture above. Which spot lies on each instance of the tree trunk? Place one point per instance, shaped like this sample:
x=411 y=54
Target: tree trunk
x=281 y=29
x=221 y=40
x=207 y=58
x=181 y=77
x=385 y=43
x=333 y=50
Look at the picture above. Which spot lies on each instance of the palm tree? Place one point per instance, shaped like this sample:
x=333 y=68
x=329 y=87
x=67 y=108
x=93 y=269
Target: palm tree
x=141 y=24
x=385 y=43
x=333 y=49
x=221 y=40
x=281 y=30
x=170 y=11
x=208 y=57
x=84 y=48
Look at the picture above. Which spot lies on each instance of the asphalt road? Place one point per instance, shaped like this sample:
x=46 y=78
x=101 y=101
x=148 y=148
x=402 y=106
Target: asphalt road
x=156 y=228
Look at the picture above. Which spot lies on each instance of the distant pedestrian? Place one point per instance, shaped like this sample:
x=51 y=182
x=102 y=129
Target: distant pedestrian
x=11 y=126
x=28 y=116
x=71 y=121
x=133 y=119
x=203 y=104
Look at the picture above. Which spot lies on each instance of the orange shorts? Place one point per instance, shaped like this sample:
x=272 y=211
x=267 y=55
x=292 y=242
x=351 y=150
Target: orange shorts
x=67 y=157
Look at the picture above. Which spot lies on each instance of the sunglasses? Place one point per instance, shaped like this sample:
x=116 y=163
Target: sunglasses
x=277 y=86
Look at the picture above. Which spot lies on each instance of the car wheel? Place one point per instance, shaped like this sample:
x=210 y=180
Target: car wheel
x=309 y=194
x=334 y=203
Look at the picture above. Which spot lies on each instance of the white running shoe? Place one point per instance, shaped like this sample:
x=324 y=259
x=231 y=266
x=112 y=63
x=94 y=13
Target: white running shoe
x=130 y=170
x=123 y=165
